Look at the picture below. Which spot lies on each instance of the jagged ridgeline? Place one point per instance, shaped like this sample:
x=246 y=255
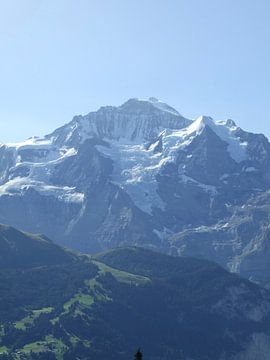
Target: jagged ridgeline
x=59 y=305
x=142 y=174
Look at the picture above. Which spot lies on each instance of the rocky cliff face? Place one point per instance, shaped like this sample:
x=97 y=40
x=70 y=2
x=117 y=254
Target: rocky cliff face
x=142 y=174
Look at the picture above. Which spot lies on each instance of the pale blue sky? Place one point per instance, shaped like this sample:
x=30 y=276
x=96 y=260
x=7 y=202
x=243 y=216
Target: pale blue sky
x=60 y=58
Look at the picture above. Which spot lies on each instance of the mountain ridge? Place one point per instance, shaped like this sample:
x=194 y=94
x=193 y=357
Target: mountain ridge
x=23 y=250
x=142 y=174
x=104 y=306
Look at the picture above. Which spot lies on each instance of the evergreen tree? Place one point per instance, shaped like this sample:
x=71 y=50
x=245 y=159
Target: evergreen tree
x=138 y=355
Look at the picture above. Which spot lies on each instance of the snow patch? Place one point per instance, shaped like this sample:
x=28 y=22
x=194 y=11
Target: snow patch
x=162 y=235
x=226 y=131
x=31 y=142
x=136 y=167
x=19 y=185
x=162 y=106
x=207 y=188
x=135 y=170
x=250 y=169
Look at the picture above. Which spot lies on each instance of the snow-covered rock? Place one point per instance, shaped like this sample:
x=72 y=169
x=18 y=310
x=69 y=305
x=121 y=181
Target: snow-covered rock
x=141 y=173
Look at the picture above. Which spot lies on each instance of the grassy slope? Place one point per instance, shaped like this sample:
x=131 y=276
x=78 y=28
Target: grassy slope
x=104 y=307
x=22 y=250
x=65 y=311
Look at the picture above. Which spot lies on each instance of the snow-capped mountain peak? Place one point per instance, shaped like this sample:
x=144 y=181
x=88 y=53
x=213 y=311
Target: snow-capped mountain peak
x=134 y=121
x=138 y=105
x=199 y=124
x=135 y=173
x=145 y=134
x=226 y=130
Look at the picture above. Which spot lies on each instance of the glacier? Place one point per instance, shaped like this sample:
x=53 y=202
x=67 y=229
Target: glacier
x=143 y=174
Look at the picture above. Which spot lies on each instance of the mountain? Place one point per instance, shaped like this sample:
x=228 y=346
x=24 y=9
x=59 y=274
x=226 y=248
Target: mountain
x=23 y=250
x=142 y=174
x=104 y=307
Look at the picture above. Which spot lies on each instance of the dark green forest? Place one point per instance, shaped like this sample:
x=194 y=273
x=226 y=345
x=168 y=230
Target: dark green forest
x=105 y=307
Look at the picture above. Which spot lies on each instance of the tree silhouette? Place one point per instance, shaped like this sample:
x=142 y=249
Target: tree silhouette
x=138 y=355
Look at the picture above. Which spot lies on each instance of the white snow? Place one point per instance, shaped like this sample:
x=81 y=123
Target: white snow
x=124 y=122
x=162 y=106
x=162 y=235
x=224 y=177
x=32 y=142
x=135 y=170
x=44 y=157
x=135 y=166
x=250 y=169
x=207 y=188
x=226 y=131
x=20 y=185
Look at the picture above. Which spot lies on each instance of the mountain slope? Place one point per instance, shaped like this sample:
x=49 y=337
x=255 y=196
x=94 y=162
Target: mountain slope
x=24 y=250
x=142 y=174
x=105 y=307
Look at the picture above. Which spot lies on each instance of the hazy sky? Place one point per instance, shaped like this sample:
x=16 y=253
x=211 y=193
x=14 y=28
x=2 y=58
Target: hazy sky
x=60 y=58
